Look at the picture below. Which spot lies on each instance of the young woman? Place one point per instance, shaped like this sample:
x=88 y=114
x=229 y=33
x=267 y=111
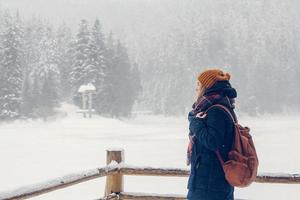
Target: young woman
x=210 y=130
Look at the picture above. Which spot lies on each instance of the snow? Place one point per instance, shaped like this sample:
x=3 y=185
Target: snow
x=87 y=87
x=50 y=184
x=150 y=194
x=114 y=163
x=115 y=149
x=36 y=151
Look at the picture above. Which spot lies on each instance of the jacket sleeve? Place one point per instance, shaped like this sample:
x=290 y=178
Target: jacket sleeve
x=211 y=130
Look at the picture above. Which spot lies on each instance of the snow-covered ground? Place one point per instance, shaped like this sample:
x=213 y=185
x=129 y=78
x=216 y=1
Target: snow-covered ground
x=37 y=151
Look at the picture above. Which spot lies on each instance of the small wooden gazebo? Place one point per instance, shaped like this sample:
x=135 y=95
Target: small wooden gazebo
x=87 y=92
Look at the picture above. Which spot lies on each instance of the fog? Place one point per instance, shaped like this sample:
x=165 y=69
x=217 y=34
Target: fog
x=78 y=77
x=169 y=42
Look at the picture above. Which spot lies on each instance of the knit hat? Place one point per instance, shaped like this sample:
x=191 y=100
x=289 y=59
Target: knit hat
x=209 y=77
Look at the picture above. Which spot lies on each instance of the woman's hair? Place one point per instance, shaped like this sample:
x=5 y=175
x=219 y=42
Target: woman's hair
x=200 y=93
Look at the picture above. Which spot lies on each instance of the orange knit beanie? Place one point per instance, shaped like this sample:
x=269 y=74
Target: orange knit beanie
x=209 y=77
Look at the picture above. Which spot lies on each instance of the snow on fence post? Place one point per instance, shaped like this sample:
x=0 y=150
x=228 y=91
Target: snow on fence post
x=114 y=183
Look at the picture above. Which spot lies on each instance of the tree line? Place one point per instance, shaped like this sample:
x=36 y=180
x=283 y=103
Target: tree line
x=256 y=41
x=42 y=66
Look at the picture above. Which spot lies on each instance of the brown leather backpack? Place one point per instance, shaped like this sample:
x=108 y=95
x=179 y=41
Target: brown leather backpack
x=241 y=168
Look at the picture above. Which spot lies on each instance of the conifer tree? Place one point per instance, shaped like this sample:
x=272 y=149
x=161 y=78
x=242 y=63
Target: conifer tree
x=11 y=77
x=83 y=70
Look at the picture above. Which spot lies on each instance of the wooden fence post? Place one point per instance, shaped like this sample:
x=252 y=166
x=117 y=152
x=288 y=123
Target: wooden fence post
x=114 y=183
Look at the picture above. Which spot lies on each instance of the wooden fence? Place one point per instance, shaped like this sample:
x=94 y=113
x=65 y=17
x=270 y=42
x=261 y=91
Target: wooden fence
x=114 y=172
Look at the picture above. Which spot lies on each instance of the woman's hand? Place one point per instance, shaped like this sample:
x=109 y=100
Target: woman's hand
x=201 y=115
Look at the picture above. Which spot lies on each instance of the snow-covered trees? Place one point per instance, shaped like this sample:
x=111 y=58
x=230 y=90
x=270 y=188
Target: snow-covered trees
x=65 y=53
x=106 y=65
x=83 y=71
x=123 y=85
x=256 y=41
x=41 y=66
x=11 y=67
x=106 y=95
x=46 y=75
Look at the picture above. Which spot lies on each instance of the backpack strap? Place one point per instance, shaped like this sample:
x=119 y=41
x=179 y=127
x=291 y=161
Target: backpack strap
x=234 y=119
x=219 y=157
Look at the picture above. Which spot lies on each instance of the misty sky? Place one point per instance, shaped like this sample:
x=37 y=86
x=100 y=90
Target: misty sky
x=54 y=10
x=72 y=11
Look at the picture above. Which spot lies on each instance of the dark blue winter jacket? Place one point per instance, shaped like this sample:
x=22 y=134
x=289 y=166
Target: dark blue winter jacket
x=207 y=180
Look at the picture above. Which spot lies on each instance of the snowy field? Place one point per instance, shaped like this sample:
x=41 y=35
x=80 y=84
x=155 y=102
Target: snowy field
x=36 y=151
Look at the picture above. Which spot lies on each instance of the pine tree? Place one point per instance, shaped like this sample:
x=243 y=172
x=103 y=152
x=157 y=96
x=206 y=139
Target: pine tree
x=65 y=54
x=98 y=50
x=83 y=71
x=106 y=97
x=49 y=95
x=123 y=86
x=135 y=85
x=35 y=94
x=47 y=76
x=33 y=35
x=11 y=77
x=27 y=100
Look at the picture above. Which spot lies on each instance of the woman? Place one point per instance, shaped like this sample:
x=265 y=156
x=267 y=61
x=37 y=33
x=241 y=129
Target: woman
x=210 y=131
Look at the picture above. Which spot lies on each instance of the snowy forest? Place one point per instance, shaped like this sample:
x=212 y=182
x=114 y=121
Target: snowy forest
x=42 y=66
x=146 y=56
x=140 y=60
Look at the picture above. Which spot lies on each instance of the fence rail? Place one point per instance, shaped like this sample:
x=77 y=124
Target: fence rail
x=114 y=172
x=144 y=196
x=58 y=183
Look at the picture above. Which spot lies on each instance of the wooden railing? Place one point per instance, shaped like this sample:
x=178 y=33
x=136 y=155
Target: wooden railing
x=114 y=172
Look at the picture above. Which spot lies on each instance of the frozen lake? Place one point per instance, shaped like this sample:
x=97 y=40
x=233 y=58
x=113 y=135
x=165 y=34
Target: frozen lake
x=36 y=151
